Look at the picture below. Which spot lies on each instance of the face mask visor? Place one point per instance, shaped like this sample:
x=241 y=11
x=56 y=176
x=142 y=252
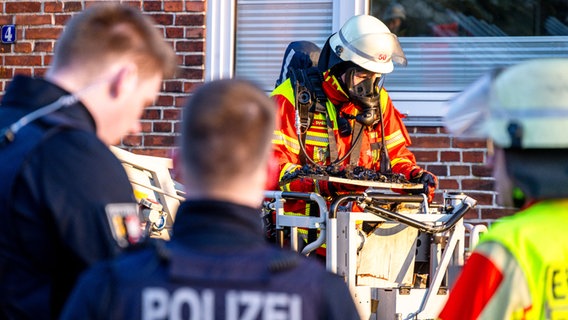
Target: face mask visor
x=364 y=89
x=363 y=84
x=468 y=112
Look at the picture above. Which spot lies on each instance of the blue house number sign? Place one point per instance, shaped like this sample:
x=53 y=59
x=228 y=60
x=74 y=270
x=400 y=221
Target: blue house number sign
x=9 y=33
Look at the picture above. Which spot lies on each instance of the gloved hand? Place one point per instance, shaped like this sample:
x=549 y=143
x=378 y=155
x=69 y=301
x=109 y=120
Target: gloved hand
x=428 y=179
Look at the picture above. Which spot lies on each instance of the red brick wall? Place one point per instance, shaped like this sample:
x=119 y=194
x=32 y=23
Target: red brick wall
x=39 y=23
x=459 y=165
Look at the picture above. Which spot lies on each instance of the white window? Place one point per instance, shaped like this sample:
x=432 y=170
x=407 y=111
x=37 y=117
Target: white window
x=249 y=37
x=264 y=30
x=447 y=47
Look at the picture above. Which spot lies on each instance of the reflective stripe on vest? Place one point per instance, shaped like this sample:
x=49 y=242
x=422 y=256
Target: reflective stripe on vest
x=537 y=238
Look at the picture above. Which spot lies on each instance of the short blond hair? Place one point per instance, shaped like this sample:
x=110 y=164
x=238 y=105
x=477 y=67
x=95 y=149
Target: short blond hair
x=104 y=32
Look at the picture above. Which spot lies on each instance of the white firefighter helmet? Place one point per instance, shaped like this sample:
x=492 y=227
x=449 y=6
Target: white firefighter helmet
x=367 y=42
x=525 y=106
x=532 y=96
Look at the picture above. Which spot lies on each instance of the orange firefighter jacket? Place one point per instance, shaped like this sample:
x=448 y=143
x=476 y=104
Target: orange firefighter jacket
x=287 y=149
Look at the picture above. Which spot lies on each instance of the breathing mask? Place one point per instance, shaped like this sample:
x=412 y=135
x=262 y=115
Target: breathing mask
x=364 y=89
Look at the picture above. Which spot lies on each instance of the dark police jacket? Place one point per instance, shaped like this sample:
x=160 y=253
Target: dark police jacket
x=59 y=185
x=217 y=266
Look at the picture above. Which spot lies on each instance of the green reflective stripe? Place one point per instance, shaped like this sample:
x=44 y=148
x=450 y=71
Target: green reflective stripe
x=317 y=134
x=383 y=98
x=376 y=155
x=332 y=114
x=286 y=90
x=288 y=168
x=294 y=214
x=319 y=116
x=396 y=161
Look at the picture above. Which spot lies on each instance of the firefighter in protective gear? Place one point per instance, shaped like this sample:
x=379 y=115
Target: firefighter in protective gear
x=519 y=268
x=346 y=129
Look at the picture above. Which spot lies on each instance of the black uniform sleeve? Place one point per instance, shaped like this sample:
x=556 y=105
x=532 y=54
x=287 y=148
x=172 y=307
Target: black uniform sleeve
x=80 y=177
x=91 y=298
x=338 y=302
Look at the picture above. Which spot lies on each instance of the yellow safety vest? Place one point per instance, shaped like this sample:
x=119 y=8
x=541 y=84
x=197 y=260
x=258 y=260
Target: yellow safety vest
x=538 y=239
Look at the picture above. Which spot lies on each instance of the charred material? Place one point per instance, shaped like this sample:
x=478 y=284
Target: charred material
x=352 y=173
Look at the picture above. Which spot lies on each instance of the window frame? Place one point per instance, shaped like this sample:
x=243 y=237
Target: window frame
x=422 y=107
x=221 y=32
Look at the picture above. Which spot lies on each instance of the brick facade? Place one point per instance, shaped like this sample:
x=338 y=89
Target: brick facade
x=39 y=23
x=461 y=167
x=458 y=164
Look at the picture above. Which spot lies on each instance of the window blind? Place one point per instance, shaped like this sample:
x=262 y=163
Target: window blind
x=265 y=28
x=438 y=67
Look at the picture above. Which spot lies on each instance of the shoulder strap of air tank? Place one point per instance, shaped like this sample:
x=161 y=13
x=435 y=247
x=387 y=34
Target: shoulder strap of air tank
x=355 y=153
x=310 y=98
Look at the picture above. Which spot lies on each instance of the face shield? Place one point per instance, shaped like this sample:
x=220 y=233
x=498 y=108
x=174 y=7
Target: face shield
x=522 y=110
x=523 y=106
x=469 y=111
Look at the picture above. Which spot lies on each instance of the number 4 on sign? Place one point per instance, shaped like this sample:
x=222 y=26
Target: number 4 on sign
x=8 y=33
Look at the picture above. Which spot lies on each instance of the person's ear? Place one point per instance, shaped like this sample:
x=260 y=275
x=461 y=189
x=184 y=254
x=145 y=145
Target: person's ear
x=124 y=81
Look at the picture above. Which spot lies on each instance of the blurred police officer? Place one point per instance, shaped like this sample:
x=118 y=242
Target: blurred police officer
x=65 y=200
x=519 y=268
x=217 y=265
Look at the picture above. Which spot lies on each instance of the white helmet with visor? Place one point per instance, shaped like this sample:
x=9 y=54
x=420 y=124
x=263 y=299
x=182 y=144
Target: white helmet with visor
x=367 y=42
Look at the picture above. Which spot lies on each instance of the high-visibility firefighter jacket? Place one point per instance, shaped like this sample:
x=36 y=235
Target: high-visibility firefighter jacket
x=288 y=151
x=519 y=270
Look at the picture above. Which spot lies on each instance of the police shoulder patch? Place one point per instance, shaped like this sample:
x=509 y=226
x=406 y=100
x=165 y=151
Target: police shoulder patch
x=124 y=223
